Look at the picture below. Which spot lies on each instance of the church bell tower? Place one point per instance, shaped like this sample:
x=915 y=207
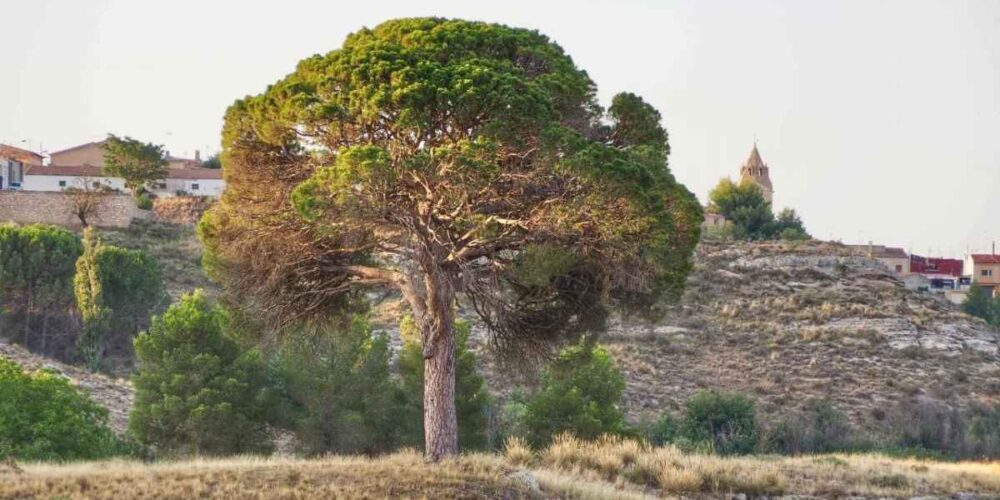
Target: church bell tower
x=756 y=171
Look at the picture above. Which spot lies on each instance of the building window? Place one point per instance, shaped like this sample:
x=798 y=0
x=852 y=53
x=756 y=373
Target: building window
x=194 y=187
x=986 y=272
x=62 y=184
x=899 y=268
x=161 y=185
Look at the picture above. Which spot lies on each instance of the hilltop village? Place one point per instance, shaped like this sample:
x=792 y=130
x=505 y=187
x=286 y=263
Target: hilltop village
x=952 y=277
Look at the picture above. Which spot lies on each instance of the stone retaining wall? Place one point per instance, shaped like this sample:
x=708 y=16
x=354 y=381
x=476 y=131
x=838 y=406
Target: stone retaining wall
x=31 y=207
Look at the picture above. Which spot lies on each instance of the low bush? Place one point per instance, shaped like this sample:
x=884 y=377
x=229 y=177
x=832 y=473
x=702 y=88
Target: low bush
x=43 y=417
x=144 y=202
x=664 y=430
x=724 y=421
x=581 y=393
x=820 y=427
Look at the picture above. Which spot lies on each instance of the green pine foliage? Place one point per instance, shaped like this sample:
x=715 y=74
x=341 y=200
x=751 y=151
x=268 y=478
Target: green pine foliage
x=744 y=206
x=196 y=391
x=36 y=299
x=472 y=400
x=340 y=396
x=581 y=393
x=117 y=291
x=980 y=304
x=43 y=417
x=724 y=422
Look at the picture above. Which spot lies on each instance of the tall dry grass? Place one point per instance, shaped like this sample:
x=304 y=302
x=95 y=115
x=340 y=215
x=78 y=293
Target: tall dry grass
x=671 y=471
x=610 y=467
x=403 y=474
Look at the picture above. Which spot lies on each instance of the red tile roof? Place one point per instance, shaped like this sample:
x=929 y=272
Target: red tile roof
x=985 y=258
x=67 y=170
x=89 y=171
x=17 y=153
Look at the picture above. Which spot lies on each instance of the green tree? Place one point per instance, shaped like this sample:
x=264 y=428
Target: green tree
x=472 y=400
x=196 y=391
x=43 y=417
x=788 y=226
x=212 y=162
x=725 y=421
x=581 y=391
x=339 y=386
x=423 y=156
x=744 y=205
x=117 y=290
x=978 y=303
x=36 y=273
x=137 y=162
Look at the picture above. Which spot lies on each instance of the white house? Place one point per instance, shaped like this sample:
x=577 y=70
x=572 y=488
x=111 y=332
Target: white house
x=13 y=161
x=194 y=181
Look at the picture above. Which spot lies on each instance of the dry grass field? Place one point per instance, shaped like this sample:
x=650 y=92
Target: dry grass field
x=569 y=468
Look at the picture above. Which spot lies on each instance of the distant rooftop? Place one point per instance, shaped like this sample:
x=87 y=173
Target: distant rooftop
x=985 y=258
x=90 y=171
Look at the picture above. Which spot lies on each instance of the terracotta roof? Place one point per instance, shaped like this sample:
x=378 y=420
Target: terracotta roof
x=66 y=170
x=17 y=153
x=77 y=147
x=89 y=171
x=985 y=258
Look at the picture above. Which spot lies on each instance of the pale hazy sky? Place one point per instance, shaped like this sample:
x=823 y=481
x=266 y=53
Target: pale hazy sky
x=879 y=119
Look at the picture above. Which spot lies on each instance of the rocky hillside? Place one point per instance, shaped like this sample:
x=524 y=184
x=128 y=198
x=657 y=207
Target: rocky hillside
x=782 y=322
x=787 y=321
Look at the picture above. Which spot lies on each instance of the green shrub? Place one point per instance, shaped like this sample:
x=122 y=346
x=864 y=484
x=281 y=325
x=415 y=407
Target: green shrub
x=472 y=400
x=664 y=430
x=144 y=202
x=979 y=303
x=196 y=391
x=985 y=432
x=724 y=421
x=117 y=290
x=581 y=391
x=820 y=427
x=43 y=417
x=339 y=391
x=927 y=425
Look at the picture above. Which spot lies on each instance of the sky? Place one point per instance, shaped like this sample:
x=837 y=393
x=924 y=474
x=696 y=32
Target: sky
x=880 y=120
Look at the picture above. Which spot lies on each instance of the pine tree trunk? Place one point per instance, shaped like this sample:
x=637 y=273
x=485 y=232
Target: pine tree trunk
x=440 y=419
x=431 y=298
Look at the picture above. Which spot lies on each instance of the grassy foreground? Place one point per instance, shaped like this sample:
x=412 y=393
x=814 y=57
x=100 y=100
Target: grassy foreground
x=610 y=468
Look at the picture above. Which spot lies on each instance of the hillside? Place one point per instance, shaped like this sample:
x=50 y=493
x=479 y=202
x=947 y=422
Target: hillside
x=784 y=322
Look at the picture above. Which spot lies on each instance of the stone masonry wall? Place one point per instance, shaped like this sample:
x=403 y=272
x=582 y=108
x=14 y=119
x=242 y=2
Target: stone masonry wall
x=31 y=207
